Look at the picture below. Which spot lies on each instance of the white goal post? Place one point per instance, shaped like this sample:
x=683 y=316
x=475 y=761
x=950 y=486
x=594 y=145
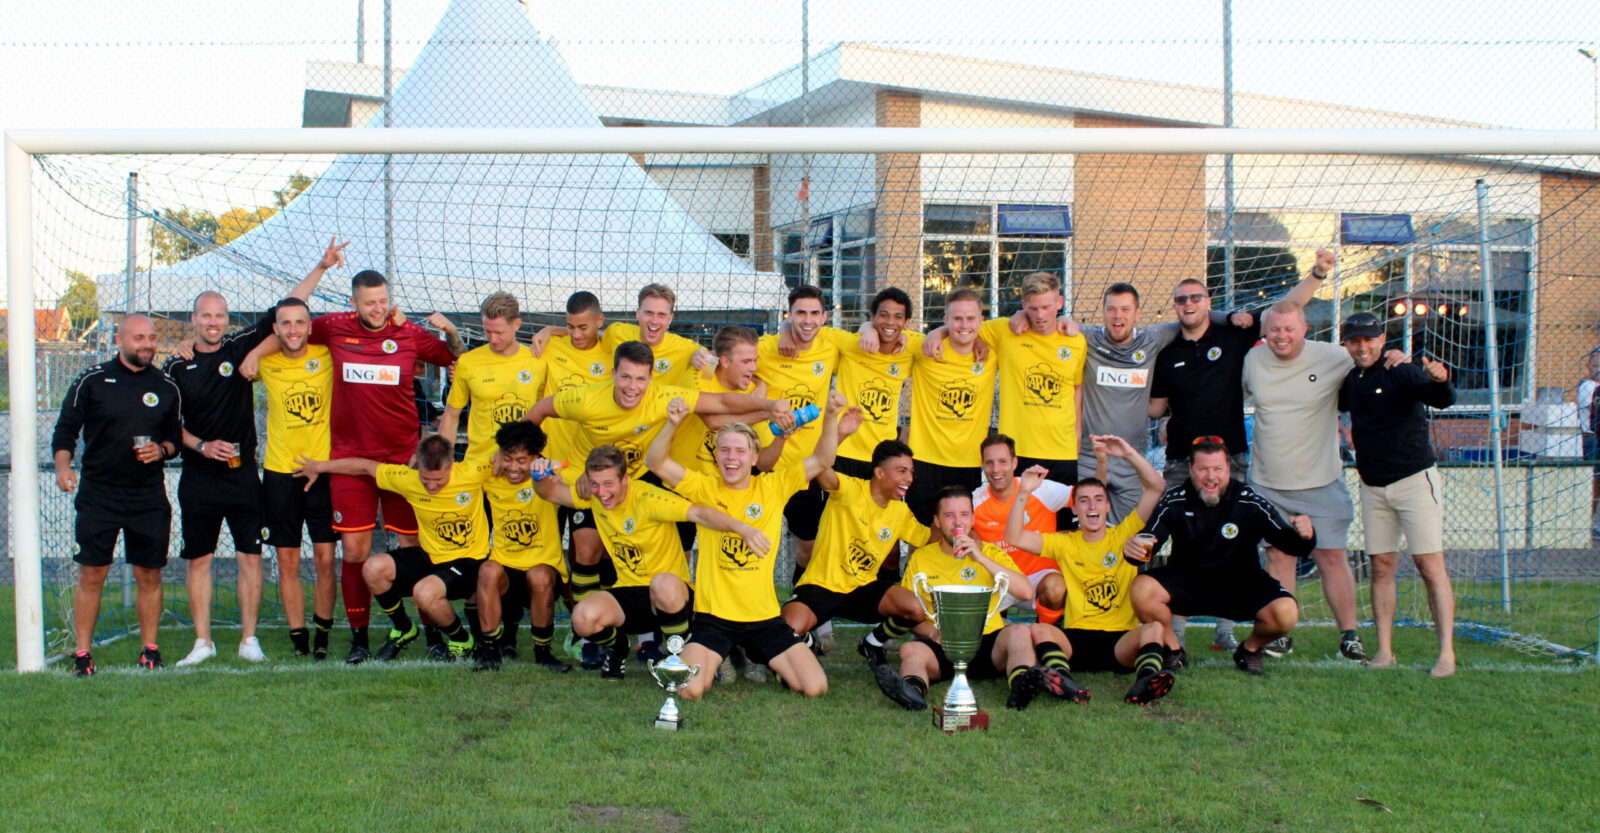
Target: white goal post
x=22 y=146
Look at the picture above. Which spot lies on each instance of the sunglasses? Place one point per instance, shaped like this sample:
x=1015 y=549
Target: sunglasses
x=1209 y=438
x=1189 y=299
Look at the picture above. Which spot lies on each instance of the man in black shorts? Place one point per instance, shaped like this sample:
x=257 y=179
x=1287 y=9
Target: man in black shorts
x=114 y=403
x=453 y=528
x=1215 y=524
x=863 y=521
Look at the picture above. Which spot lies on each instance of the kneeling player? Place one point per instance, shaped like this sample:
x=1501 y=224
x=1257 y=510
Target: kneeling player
x=1101 y=631
x=960 y=559
x=447 y=498
x=638 y=525
x=735 y=602
x=863 y=521
x=525 y=569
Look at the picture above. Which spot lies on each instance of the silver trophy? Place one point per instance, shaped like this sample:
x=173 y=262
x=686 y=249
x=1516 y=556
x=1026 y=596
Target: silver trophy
x=672 y=674
x=959 y=611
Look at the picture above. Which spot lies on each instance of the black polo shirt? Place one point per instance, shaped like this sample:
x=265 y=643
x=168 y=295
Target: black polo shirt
x=218 y=402
x=1202 y=382
x=1215 y=543
x=1388 y=423
x=111 y=405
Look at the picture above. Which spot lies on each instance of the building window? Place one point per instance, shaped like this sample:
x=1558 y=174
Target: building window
x=836 y=253
x=737 y=242
x=990 y=248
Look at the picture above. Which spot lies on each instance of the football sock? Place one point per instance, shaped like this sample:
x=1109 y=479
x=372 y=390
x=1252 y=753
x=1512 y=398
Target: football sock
x=469 y=611
x=1150 y=660
x=319 y=638
x=1053 y=657
x=585 y=580
x=301 y=639
x=1013 y=674
x=919 y=684
x=512 y=615
x=393 y=605
x=494 y=637
x=431 y=636
x=456 y=631
x=607 y=638
x=358 y=637
x=675 y=624
x=890 y=628
x=543 y=635
x=357 y=597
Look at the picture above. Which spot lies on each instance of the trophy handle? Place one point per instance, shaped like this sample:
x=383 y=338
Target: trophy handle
x=1002 y=584
x=919 y=583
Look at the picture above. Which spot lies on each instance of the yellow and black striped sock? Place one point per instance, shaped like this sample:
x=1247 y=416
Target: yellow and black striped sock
x=393 y=605
x=585 y=580
x=891 y=628
x=1150 y=659
x=319 y=635
x=607 y=638
x=543 y=635
x=675 y=624
x=499 y=631
x=1013 y=674
x=1054 y=658
x=456 y=631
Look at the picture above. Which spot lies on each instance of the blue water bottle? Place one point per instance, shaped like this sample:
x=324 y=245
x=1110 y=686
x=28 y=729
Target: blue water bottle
x=801 y=417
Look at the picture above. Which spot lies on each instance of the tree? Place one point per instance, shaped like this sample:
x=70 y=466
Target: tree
x=81 y=301
x=201 y=229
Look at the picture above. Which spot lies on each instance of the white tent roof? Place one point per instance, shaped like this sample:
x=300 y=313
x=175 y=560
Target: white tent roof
x=464 y=226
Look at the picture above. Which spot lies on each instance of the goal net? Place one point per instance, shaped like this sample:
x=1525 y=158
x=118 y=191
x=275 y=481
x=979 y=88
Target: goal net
x=731 y=224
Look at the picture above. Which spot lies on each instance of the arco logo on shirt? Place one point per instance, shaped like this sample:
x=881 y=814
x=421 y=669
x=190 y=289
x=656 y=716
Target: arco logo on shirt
x=630 y=453
x=798 y=397
x=454 y=529
x=1101 y=594
x=150 y=400
x=735 y=553
x=508 y=409
x=858 y=559
x=303 y=402
x=628 y=554
x=520 y=528
x=1041 y=385
x=956 y=400
x=875 y=400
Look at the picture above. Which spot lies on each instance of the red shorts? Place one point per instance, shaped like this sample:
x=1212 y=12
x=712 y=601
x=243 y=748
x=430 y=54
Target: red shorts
x=355 y=506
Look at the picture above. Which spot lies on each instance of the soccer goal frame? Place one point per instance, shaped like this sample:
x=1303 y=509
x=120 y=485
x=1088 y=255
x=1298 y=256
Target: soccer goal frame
x=22 y=146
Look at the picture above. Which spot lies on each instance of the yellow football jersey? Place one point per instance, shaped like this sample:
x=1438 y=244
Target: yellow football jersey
x=952 y=401
x=499 y=389
x=693 y=444
x=452 y=523
x=731 y=582
x=674 y=365
x=803 y=380
x=1097 y=576
x=602 y=421
x=525 y=530
x=856 y=534
x=567 y=367
x=1039 y=379
x=641 y=533
x=872 y=382
x=299 y=393
x=943 y=568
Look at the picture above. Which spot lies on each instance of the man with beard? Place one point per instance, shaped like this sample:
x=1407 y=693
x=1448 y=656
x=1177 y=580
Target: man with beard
x=113 y=404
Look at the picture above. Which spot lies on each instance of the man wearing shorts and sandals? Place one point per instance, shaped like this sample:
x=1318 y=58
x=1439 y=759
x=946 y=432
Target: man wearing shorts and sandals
x=1215 y=524
x=1401 y=491
x=1102 y=631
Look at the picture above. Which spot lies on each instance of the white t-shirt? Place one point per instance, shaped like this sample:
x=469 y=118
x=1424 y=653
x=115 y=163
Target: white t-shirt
x=1586 y=390
x=1296 y=443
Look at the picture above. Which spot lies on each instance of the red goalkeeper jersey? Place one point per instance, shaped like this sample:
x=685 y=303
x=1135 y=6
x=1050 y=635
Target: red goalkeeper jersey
x=374 y=404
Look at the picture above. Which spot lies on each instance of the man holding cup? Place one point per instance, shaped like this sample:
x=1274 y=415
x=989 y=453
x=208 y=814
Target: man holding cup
x=128 y=414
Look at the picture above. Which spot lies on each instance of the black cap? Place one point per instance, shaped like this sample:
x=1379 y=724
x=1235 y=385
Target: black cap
x=1361 y=325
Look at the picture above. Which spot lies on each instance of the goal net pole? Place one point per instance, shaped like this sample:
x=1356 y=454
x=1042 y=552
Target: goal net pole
x=21 y=146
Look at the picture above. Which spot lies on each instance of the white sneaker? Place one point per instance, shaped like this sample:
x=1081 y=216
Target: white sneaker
x=824 y=636
x=250 y=650
x=203 y=651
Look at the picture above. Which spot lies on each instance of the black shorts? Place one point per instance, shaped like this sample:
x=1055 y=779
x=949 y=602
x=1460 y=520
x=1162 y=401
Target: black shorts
x=637 y=614
x=859 y=605
x=571 y=520
x=206 y=499
x=982 y=665
x=517 y=594
x=853 y=468
x=287 y=506
x=928 y=478
x=761 y=641
x=1095 y=650
x=412 y=565
x=1240 y=599
x=143 y=516
x=803 y=512
x=1061 y=471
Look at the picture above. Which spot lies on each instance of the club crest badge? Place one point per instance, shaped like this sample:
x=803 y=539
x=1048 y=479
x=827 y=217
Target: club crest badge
x=390 y=346
x=883 y=533
x=627 y=526
x=662 y=365
x=225 y=369
x=968 y=573
x=150 y=400
x=524 y=377
x=894 y=370
x=313 y=365
x=1230 y=531
x=597 y=369
x=1139 y=356
x=1109 y=560
x=1063 y=353
x=1214 y=353
x=524 y=495
x=463 y=498
x=977 y=368
x=818 y=368
x=753 y=511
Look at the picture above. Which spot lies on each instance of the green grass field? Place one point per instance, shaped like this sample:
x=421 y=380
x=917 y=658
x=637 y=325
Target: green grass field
x=1505 y=745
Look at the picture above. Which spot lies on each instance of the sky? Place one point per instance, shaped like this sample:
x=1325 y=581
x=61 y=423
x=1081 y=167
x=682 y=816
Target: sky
x=224 y=63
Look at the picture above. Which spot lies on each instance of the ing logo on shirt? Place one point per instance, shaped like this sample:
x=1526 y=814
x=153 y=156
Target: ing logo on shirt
x=453 y=528
x=1102 y=594
x=628 y=554
x=736 y=555
x=1041 y=384
x=956 y=399
x=859 y=559
x=303 y=402
x=520 y=528
x=508 y=409
x=798 y=397
x=875 y=400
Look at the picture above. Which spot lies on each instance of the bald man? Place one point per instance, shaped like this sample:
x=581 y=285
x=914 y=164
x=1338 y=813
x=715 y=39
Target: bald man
x=127 y=412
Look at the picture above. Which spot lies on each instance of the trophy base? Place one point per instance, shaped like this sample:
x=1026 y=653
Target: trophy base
x=952 y=722
x=674 y=725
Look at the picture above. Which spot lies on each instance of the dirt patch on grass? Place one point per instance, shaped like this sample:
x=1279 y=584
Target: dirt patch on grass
x=632 y=818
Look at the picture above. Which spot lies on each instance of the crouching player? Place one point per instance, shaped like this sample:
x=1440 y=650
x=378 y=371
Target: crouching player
x=963 y=559
x=862 y=522
x=447 y=498
x=1100 y=631
x=525 y=569
x=638 y=525
x=735 y=602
